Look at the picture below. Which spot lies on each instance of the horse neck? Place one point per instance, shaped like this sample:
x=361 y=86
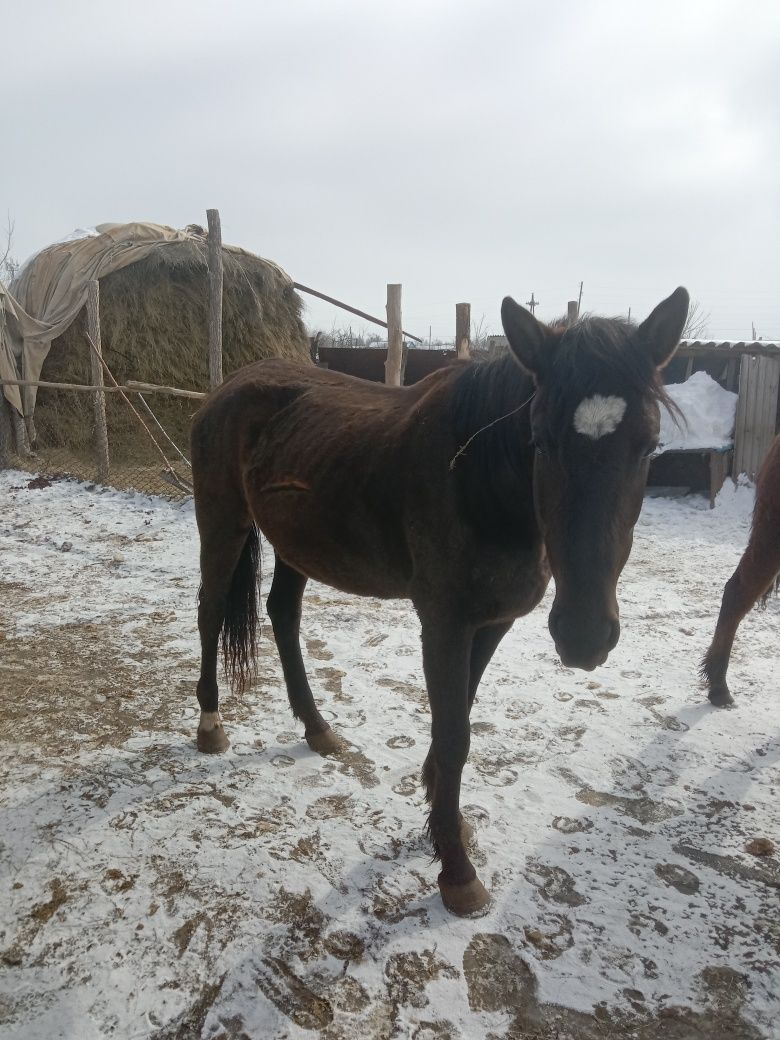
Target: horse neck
x=494 y=470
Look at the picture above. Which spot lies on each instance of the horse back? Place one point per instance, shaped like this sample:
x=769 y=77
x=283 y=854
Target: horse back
x=330 y=466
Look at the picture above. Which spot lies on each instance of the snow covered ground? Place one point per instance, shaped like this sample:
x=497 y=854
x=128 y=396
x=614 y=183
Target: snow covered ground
x=147 y=891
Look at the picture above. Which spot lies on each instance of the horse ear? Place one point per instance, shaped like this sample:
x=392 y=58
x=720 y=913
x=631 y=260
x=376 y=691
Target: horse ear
x=526 y=335
x=661 y=331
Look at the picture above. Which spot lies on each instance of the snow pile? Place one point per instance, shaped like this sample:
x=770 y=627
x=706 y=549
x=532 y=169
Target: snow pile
x=736 y=500
x=709 y=412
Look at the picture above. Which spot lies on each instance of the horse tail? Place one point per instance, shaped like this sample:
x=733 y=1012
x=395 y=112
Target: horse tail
x=239 y=629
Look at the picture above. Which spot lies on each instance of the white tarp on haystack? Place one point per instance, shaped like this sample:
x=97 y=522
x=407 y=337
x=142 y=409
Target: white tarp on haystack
x=52 y=287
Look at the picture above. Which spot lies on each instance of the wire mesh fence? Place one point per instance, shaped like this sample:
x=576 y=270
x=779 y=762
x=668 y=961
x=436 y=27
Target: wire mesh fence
x=63 y=441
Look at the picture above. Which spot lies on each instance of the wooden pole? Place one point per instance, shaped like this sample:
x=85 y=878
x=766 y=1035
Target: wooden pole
x=131 y=387
x=347 y=307
x=6 y=431
x=215 y=297
x=21 y=439
x=394 y=336
x=572 y=311
x=99 y=401
x=463 y=329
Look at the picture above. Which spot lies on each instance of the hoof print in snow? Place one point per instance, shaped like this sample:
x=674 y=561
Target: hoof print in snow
x=678 y=877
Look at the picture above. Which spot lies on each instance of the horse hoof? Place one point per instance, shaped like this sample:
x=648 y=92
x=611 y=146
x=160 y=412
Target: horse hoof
x=328 y=742
x=469 y=900
x=466 y=831
x=721 y=699
x=212 y=739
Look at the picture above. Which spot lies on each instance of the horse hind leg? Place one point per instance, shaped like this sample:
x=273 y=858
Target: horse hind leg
x=284 y=609
x=756 y=572
x=227 y=606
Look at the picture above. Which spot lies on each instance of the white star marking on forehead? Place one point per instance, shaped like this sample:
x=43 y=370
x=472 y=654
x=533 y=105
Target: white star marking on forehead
x=597 y=416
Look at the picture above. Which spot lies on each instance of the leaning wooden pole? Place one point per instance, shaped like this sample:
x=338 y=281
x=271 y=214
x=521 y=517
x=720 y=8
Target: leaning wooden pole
x=463 y=329
x=394 y=336
x=215 y=297
x=99 y=400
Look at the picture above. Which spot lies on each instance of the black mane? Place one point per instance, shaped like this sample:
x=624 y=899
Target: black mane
x=490 y=409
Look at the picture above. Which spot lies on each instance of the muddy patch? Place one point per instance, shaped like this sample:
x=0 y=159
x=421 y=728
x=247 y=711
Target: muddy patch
x=554 y=883
x=644 y=809
x=766 y=873
x=318 y=649
x=291 y=995
x=678 y=877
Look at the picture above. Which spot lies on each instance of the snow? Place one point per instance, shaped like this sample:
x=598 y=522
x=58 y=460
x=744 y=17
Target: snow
x=709 y=412
x=149 y=891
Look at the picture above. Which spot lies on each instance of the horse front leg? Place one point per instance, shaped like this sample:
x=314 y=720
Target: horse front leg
x=752 y=579
x=446 y=662
x=483 y=646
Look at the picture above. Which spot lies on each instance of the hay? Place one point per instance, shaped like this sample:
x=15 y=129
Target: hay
x=154 y=328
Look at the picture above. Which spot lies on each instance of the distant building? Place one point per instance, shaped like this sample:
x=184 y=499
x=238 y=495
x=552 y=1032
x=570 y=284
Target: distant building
x=496 y=345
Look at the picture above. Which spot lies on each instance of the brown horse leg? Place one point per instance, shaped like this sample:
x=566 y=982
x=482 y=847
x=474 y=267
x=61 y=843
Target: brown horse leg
x=219 y=556
x=446 y=658
x=485 y=644
x=284 y=610
x=753 y=577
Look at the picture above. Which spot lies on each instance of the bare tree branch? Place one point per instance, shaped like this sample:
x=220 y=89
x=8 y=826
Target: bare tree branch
x=479 y=333
x=696 y=323
x=9 y=266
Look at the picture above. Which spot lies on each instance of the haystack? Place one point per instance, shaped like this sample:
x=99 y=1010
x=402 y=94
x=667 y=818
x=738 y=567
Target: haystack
x=154 y=317
x=154 y=327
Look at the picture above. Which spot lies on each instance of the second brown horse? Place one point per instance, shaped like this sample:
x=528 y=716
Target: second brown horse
x=751 y=581
x=460 y=493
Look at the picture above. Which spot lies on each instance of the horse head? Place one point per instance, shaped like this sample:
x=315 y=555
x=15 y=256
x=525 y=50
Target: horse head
x=595 y=422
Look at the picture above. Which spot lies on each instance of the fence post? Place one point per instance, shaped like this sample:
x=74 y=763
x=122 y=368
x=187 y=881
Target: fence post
x=215 y=297
x=101 y=429
x=6 y=431
x=394 y=336
x=463 y=329
x=572 y=312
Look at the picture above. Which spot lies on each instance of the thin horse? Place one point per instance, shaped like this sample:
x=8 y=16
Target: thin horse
x=460 y=493
x=752 y=580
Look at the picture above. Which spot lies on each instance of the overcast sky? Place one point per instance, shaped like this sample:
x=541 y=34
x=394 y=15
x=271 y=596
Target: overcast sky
x=466 y=150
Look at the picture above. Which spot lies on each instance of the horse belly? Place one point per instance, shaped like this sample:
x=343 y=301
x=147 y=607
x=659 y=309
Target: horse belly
x=332 y=546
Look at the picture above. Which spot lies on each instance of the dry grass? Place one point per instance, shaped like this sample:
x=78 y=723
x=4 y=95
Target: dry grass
x=154 y=328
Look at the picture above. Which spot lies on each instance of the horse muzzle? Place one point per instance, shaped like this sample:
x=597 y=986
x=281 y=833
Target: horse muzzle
x=583 y=639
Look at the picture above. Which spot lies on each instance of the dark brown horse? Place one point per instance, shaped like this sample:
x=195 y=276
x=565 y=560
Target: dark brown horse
x=460 y=493
x=752 y=580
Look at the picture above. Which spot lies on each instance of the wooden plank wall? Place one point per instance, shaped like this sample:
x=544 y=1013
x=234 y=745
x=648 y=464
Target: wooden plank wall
x=754 y=429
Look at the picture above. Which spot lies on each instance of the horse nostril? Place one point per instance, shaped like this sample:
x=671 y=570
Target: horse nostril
x=583 y=634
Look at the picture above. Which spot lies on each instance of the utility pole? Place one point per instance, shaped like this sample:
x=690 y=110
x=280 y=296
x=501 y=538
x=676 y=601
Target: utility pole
x=532 y=304
x=579 y=301
x=753 y=326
